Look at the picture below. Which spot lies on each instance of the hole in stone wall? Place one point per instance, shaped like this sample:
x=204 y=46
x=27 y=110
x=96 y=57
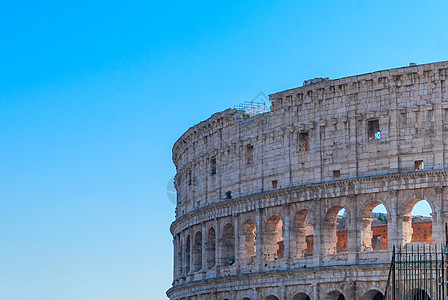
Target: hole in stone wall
x=303 y=141
x=250 y=154
x=418 y=165
x=373 y=129
x=213 y=165
x=336 y=174
x=274 y=184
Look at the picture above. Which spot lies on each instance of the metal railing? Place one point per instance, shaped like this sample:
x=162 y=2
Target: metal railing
x=417 y=272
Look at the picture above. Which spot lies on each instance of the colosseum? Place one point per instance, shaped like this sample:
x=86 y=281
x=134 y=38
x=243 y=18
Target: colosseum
x=260 y=196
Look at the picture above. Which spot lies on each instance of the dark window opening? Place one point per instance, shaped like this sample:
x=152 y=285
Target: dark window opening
x=336 y=174
x=303 y=141
x=189 y=177
x=213 y=165
x=274 y=184
x=229 y=195
x=250 y=154
x=373 y=130
x=418 y=165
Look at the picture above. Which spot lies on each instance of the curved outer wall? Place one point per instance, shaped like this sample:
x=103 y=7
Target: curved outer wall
x=239 y=177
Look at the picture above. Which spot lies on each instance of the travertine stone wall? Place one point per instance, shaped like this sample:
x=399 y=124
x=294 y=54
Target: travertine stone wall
x=251 y=189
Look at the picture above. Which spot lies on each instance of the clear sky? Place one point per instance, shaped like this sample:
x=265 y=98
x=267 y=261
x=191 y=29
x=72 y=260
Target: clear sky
x=93 y=94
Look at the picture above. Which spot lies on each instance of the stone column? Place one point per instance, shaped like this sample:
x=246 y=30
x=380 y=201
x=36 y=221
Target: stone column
x=298 y=242
x=259 y=250
x=217 y=244
x=438 y=224
x=365 y=229
x=287 y=237
x=204 y=248
x=184 y=260
x=191 y=251
x=237 y=240
x=394 y=230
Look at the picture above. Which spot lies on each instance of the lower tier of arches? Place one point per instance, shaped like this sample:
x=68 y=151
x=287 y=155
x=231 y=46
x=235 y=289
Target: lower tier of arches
x=365 y=282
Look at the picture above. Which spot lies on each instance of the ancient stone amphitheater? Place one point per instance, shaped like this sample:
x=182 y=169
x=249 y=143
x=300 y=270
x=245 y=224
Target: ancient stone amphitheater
x=259 y=195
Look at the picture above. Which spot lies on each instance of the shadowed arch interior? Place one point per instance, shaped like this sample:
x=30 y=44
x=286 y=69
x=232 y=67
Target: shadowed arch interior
x=373 y=295
x=373 y=228
x=335 y=237
x=273 y=239
x=302 y=232
x=248 y=242
x=228 y=245
x=301 y=296
x=211 y=248
x=197 y=251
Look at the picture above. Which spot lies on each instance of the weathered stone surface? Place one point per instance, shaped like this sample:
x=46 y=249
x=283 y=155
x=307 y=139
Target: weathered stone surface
x=253 y=192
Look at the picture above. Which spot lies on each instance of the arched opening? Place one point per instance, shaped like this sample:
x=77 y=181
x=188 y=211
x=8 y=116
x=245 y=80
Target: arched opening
x=248 y=242
x=272 y=297
x=273 y=239
x=374 y=227
x=245 y=298
x=420 y=294
x=211 y=248
x=301 y=296
x=335 y=230
x=187 y=255
x=417 y=222
x=197 y=251
x=302 y=232
x=334 y=296
x=373 y=295
x=228 y=245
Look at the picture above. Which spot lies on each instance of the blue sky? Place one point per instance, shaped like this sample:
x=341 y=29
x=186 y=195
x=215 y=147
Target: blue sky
x=93 y=94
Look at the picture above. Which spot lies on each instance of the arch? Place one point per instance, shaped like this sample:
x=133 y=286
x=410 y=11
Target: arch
x=373 y=295
x=273 y=239
x=416 y=229
x=228 y=245
x=272 y=297
x=374 y=228
x=419 y=294
x=197 y=251
x=335 y=231
x=211 y=248
x=187 y=255
x=335 y=295
x=302 y=232
x=301 y=296
x=246 y=298
x=248 y=242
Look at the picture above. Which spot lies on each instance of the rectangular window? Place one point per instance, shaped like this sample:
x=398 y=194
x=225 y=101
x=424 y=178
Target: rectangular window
x=250 y=154
x=336 y=174
x=274 y=184
x=373 y=130
x=419 y=165
x=303 y=141
x=213 y=165
x=229 y=195
x=189 y=177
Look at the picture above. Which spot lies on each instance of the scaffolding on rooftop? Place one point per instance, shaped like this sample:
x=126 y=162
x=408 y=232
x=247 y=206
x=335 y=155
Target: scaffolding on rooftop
x=252 y=107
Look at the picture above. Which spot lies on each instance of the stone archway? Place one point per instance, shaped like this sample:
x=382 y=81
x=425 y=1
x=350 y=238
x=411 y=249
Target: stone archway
x=335 y=295
x=301 y=296
x=373 y=295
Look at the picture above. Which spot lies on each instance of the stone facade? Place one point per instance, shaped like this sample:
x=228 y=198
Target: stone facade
x=258 y=196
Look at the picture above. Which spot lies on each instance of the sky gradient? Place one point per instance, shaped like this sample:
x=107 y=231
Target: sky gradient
x=93 y=94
